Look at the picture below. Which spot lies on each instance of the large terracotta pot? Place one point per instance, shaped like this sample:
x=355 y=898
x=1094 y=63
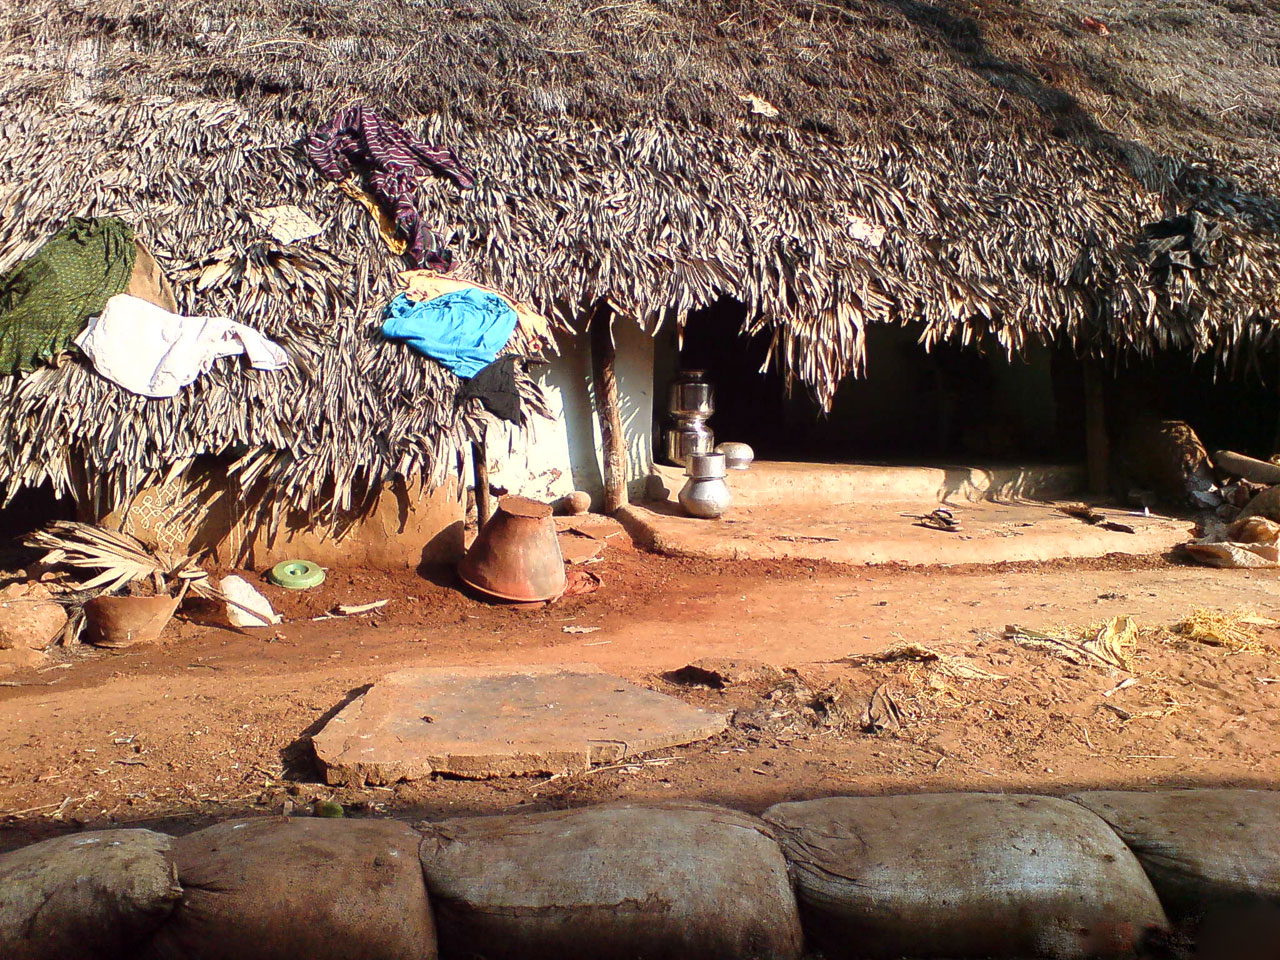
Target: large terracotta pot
x=516 y=556
x=123 y=621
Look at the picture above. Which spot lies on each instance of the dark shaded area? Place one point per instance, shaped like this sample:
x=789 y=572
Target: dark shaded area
x=1241 y=414
x=962 y=403
x=30 y=509
x=911 y=404
x=298 y=759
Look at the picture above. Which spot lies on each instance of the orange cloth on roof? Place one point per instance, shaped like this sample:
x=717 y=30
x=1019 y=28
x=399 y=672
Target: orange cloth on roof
x=386 y=223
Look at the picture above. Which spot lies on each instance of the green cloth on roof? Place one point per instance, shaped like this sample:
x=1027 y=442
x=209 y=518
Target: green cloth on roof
x=47 y=299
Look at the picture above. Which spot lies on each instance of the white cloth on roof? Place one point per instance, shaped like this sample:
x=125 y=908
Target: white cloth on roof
x=155 y=353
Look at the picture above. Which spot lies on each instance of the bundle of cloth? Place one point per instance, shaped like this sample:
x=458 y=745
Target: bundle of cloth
x=78 y=290
x=155 y=353
x=378 y=163
x=464 y=326
x=46 y=299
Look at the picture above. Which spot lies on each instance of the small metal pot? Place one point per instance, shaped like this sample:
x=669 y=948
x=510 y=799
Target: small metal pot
x=691 y=395
x=705 y=497
x=686 y=439
x=738 y=456
x=706 y=466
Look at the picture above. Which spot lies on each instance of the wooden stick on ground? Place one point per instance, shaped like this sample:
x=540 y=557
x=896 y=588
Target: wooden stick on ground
x=605 y=377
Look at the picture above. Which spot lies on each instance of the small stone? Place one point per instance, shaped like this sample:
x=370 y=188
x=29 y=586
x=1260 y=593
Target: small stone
x=656 y=489
x=29 y=616
x=18 y=658
x=573 y=504
x=248 y=607
x=328 y=808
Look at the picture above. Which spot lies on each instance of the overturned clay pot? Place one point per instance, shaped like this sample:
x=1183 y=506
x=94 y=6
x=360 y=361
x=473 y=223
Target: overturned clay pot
x=123 y=621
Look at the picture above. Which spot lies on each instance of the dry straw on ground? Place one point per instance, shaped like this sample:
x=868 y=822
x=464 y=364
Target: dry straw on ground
x=1235 y=631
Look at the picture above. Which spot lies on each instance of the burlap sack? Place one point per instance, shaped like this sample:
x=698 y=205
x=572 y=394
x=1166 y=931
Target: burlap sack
x=681 y=881
x=1202 y=849
x=85 y=896
x=289 y=889
x=963 y=875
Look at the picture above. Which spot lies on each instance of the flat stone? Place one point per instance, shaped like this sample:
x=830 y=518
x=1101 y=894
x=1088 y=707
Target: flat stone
x=480 y=723
x=579 y=549
x=593 y=525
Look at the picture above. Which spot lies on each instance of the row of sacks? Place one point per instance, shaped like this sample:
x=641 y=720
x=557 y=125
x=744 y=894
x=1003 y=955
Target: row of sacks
x=1096 y=875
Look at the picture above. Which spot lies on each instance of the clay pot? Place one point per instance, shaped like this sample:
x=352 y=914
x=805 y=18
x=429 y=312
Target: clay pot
x=123 y=621
x=516 y=555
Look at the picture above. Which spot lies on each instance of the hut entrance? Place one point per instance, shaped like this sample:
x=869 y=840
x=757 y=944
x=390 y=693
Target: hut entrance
x=910 y=407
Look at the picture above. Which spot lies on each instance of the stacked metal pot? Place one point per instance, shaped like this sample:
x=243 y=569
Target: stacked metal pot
x=691 y=400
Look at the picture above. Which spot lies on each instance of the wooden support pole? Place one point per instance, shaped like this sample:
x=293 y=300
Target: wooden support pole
x=1097 y=445
x=605 y=377
x=480 y=464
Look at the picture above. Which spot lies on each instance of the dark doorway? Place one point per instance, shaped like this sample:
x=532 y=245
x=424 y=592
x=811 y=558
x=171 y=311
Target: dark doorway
x=911 y=405
x=1232 y=409
x=29 y=510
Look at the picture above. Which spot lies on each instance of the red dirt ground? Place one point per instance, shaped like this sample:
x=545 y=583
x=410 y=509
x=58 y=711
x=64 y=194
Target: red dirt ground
x=213 y=722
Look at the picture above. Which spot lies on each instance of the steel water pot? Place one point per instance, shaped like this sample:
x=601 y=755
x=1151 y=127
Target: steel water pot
x=691 y=395
x=706 y=494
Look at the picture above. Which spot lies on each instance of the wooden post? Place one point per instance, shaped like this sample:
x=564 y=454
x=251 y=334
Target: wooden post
x=480 y=464
x=605 y=377
x=1096 y=443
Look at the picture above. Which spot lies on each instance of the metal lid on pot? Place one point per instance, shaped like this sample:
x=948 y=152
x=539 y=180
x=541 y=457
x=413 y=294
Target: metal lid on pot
x=706 y=466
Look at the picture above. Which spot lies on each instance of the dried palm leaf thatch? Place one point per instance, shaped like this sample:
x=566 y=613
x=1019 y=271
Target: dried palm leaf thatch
x=1110 y=643
x=982 y=167
x=118 y=558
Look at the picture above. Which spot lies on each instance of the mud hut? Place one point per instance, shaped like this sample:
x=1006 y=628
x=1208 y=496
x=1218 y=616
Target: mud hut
x=975 y=173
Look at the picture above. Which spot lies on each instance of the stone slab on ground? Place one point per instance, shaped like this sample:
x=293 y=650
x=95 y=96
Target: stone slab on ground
x=579 y=549
x=479 y=723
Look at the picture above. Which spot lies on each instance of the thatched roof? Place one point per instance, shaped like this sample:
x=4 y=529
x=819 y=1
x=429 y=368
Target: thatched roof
x=976 y=167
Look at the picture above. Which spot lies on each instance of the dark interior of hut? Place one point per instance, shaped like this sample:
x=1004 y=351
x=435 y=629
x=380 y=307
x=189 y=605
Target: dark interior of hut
x=954 y=403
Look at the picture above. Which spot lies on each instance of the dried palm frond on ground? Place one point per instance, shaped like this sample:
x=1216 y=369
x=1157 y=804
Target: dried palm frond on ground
x=118 y=558
x=1235 y=631
x=945 y=663
x=1108 y=644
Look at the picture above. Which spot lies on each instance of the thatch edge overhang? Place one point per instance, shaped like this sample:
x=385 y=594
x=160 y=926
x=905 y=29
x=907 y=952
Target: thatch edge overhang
x=1008 y=208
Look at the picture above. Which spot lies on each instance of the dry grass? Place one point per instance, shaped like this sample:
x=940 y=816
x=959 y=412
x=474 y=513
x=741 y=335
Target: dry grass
x=1109 y=643
x=1235 y=631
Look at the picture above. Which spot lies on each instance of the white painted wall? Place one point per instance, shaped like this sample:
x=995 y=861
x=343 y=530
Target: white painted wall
x=566 y=453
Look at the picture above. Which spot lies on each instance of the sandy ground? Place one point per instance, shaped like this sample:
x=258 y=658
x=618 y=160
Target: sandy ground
x=214 y=723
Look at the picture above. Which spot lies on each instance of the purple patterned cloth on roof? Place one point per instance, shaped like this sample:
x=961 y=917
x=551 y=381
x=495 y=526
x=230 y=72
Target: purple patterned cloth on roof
x=392 y=158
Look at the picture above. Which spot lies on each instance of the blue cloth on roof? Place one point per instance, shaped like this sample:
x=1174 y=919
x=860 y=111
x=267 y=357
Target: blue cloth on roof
x=463 y=330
